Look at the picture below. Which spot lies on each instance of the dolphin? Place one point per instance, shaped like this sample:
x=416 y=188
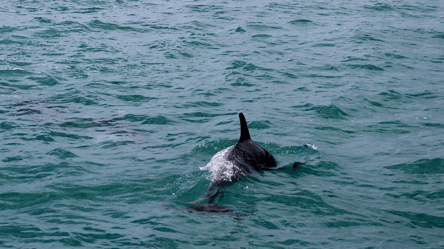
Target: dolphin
x=233 y=164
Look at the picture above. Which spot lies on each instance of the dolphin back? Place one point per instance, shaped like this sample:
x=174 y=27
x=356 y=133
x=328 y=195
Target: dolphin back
x=247 y=154
x=251 y=157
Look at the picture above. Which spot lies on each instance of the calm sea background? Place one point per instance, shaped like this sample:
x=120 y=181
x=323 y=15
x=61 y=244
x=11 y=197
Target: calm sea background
x=109 y=108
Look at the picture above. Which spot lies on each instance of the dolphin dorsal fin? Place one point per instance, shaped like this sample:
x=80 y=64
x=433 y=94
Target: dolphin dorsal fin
x=245 y=134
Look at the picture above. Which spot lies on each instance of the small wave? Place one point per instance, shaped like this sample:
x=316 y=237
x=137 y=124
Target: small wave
x=240 y=30
x=134 y=98
x=49 y=33
x=9 y=41
x=391 y=94
x=261 y=36
x=61 y=153
x=12 y=159
x=250 y=67
x=423 y=95
x=379 y=7
x=395 y=56
x=68 y=135
x=14 y=72
x=324 y=45
x=434 y=125
x=421 y=219
x=27 y=111
x=6 y=126
x=366 y=37
x=367 y=67
x=329 y=112
x=79 y=123
x=390 y=127
x=88 y=10
x=111 y=26
x=321 y=169
x=7 y=29
x=201 y=104
x=45 y=80
x=135 y=118
x=300 y=22
x=308 y=150
x=19 y=63
x=334 y=130
x=260 y=125
x=74 y=97
x=199 y=115
x=159 y=120
x=439 y=35
x=422 y=166
x=263 y=27
x=42 y=20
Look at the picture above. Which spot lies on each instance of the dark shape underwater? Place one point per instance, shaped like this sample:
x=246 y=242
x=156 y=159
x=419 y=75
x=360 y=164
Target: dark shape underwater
x=245 y=157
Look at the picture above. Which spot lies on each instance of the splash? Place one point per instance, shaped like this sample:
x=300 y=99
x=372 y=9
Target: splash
x=313 y=146
x=221 y=169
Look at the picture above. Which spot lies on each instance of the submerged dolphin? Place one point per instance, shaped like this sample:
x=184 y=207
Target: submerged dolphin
x=233 y=164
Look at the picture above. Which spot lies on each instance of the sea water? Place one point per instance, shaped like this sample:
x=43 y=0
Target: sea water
x=108 y=110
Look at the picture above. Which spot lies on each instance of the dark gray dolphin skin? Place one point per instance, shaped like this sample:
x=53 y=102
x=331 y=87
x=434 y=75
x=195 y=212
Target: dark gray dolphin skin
x=248 y=157
x=247 y=154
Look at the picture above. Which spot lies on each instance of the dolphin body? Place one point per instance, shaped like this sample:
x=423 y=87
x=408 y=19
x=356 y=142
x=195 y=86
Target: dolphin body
x=233 y=164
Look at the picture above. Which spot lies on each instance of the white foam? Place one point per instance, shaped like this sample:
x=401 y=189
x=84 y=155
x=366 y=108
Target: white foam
x=221 y=169
x=313 y=146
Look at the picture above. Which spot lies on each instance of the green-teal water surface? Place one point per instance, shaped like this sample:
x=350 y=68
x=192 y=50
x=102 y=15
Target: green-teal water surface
x=109 y=108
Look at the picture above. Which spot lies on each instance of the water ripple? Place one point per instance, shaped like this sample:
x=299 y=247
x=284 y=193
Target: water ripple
x=109 y=109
